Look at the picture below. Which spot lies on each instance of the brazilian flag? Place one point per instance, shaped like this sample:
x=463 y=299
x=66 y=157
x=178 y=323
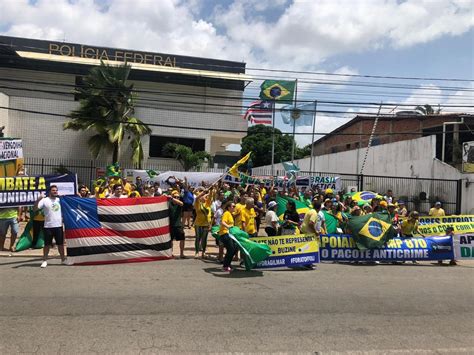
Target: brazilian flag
x=372 y=231
x=277 y=90
x=281 y=201
x=253 y=252
x=331 y=222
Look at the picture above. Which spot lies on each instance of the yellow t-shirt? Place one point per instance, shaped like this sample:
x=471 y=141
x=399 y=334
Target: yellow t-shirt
x=127 y=188
x=238 y=214
x=408 y=227
x=227 y=219
x=248 y=216
x=203 y=214
x=437 y=212
x=8 y=213
x=103 y=194
x=310 y=216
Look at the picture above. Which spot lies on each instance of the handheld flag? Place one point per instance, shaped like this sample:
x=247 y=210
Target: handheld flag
x=234 y=170
x=113 y=170
x=260 y=112
x=277 y=90
x=253 y=252
x=281 y=201
x=371 y=231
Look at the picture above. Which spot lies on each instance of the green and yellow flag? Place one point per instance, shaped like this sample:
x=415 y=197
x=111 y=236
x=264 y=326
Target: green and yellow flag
x=234 y=170
x=372 y=231
x=277 y=90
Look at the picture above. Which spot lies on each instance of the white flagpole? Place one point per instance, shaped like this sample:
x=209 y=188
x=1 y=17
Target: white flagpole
x=273 y=138
x=294 y=125
x=312 y=137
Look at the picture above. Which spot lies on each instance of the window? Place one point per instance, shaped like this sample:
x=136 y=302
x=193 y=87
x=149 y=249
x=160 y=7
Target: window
x=348 y=146
x=158 y=142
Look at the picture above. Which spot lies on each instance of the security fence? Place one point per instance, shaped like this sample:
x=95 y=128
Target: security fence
x=418 y=193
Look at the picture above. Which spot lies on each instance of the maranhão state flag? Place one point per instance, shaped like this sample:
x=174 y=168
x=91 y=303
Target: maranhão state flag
x=121 y=230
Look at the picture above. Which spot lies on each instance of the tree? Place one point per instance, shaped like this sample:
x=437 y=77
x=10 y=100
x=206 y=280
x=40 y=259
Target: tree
x=106 y=107
x=185 y=155
x=427 y=110
x=304 y=152
x=259 y=141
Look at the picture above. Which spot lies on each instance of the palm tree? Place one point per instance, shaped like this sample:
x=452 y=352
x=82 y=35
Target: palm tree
x=185 y=155
x=107 y=105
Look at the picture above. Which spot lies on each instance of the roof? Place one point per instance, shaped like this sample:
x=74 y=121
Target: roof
x=448 y=116
x=74 y=58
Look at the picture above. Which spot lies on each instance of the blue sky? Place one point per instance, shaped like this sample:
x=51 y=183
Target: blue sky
x=422 y=38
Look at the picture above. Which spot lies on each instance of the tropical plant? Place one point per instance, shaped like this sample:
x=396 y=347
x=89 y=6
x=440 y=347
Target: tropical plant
x=185 y=156
x=106 y=107
x=259 y=141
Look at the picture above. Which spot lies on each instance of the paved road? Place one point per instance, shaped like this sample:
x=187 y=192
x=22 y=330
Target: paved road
x=189 y=305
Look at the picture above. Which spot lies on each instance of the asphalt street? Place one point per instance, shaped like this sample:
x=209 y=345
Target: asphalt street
x=191 y=306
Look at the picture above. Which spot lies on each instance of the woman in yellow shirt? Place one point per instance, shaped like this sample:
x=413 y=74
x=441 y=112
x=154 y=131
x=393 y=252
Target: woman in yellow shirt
x=248 y=217
x=227 y=221
x=202 y=206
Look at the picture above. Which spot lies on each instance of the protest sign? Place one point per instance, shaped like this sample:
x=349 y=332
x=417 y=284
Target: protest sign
x=342 y=247
x=464 y=246
x=431 y=226
x=25 y=190
x=11 y=156
x=319 y=182
x=290 y=250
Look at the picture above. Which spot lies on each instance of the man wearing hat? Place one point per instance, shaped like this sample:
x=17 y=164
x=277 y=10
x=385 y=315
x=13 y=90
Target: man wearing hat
x=437 y=211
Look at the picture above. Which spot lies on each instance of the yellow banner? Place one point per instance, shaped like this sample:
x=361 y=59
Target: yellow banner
x=284 y=245
x=430 y=226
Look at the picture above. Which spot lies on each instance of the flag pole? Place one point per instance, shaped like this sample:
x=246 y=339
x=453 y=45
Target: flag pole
x=273 y=138
x=312 y=137
x=294 y=125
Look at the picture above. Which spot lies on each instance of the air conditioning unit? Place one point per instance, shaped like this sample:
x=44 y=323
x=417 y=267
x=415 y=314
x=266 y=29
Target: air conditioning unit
x=351 y=189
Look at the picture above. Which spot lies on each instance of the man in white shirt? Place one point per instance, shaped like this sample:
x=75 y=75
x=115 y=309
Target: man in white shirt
x=118 y=192
x=271 y=219
x=53 y=223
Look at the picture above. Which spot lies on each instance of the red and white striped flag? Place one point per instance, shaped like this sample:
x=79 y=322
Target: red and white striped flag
x=106 y=231
x=259 y=112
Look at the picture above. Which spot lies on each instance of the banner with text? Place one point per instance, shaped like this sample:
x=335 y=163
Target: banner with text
x=25 y=190
x=290 y=250
x=320 y=182
x=464 y=246
x=431 y=226
x=341 y=247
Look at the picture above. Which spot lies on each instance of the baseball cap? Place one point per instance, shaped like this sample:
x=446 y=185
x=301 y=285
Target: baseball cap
x=329 y=191
x=438 y=203
x=175 y=193
x=334 y=200
x=271 y=204
x=383 y=203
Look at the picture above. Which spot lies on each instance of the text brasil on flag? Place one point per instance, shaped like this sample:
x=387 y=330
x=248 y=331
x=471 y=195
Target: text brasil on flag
x=103 y=231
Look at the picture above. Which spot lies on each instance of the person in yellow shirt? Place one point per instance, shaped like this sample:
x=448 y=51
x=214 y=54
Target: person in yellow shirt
x=437 y=211
x=227 y=221
x=410 y=225
x=202 y=206
x=248 y=217
x=237 y=213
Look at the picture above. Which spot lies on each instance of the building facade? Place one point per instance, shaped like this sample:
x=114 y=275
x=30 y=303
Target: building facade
x=187 y=100
x=353 y=134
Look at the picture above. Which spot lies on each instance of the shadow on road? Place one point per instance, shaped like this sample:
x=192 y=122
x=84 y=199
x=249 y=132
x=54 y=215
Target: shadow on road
x=23 y=263
x=235 y=274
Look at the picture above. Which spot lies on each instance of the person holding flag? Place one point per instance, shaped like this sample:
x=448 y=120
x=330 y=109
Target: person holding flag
x=227 y=221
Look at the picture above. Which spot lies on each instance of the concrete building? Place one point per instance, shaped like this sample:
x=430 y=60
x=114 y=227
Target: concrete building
x=400 y=127
x=191 y=101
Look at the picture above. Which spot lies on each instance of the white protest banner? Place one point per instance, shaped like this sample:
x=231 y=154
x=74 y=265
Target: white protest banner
x=11 y=149
x=464 y=246
x=194 y=178
x=131 y=175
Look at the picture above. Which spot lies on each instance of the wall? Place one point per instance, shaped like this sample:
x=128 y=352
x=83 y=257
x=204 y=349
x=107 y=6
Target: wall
x=411 y=158
x=4 y=114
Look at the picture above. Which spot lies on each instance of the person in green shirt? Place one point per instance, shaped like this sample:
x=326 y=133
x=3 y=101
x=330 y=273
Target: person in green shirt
x=8 y=220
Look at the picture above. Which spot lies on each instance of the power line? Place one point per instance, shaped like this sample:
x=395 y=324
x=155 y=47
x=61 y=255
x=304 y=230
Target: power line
x=214 y=129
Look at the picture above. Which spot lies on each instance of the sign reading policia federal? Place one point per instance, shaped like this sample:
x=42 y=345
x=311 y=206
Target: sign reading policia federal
x=25 y=190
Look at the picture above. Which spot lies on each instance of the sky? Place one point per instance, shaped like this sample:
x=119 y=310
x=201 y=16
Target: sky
x=413 y=38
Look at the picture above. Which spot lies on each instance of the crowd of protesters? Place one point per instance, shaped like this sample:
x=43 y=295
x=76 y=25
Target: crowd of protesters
x=225 y=205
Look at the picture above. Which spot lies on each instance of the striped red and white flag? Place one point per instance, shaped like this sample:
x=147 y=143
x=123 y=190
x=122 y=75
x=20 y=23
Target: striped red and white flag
x=106 y=231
